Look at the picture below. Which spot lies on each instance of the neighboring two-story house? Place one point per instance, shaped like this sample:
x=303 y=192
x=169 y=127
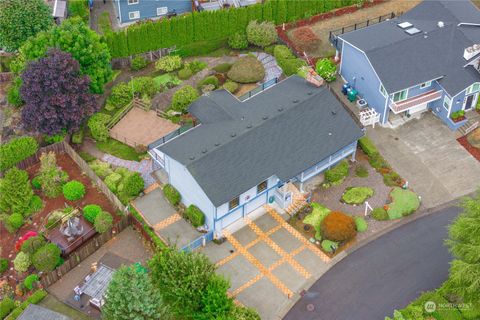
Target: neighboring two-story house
x=244 y=155
x=427 y=59
x=129 y=11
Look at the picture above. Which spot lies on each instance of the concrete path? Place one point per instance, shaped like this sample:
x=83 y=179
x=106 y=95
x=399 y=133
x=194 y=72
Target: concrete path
x=426 y=153
x=386 y=274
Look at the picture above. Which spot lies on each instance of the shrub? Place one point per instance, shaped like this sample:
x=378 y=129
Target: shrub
x=91 y=211
x=238 y=41
x=3 y=265
x=138 y=63
x=367 y=146
x=36 y=182
x=172 y=195
x=230 y=86
x=291 y=66
x=329 y=246
x=86 y=156
x=360 y=224
x=30 y=281
x=16 y=150
x=168 y=63
x=16 y=191
x=357 y=195
x=210 y=80
x=133 y=184
x=338 y=226
x=392 y=179
x=73 y=190
x=144 y=86
x=32 y=244
x=404 y=203
x=112 y=181
x=379 y=214
x=14 y=222
x=337 y=173
x=21 y=262
x=222 y=67
x=185 y=74
x=98 y=126
x=196 y=66
x=77 y=136
x=47 y=257
x=13 y=93
x=101 y=169
x=261 y=34
x=195 y=215
x=183 y=97
x=378 y=162
x=326 y=69
x=282 y=52
x=36 y=204
x=247 y=70
x=120 y=96
x=37 y=296
x=103 y=222
x=6 y=306
x=216 y=304
x=79 y=8
x=361 y=171
x=55 y=138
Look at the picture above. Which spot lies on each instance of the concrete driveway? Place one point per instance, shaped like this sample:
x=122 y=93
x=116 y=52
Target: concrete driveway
x=426 y=153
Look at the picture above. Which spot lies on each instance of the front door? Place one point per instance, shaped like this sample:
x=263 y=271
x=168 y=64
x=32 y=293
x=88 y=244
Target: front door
x=469 y=102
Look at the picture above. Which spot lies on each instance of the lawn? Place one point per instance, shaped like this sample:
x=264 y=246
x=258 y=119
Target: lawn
x=52 y=303
x=166 y=78
x=315 y=218
x=404 y=202
x=119 y=150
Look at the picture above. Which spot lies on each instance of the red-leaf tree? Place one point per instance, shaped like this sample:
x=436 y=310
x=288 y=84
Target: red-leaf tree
x=56 y=95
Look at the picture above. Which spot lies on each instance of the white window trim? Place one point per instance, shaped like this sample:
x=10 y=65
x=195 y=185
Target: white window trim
x=426 y=84
x=133 y=2
x=470 y=89
x=136 y=15
x=406 y=95
x=383 y=91
x=162 y=14
x=448 y=102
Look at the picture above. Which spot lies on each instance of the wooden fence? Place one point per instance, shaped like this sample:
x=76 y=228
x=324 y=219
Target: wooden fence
x=118 y=63
x=6 y=76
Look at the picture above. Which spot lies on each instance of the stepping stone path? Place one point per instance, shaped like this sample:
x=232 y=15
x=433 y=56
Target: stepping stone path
x=143 y=167
x=272 y=70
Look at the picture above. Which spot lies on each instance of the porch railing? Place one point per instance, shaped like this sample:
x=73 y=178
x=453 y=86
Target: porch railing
x=423 y=98
x=258 y=89
x=170 y=136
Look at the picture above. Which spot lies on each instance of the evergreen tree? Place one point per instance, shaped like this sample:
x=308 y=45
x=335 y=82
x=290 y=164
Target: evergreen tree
x=16 y=192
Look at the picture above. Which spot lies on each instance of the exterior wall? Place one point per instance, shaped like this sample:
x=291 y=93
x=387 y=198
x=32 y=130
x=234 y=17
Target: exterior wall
x=148 y=8
x=182 y=180
x=356 y=70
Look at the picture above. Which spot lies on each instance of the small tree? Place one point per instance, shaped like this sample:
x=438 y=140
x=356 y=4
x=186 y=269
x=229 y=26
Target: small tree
x=103 y=222
x=338 y=226
x=21 y=19
x=261 y=34
x=16 y=192
x=216 y=303
x=183 y=97
x=98 y=126
x=56 y=95
x=168 y=63
x=51 y=177
x=47 y=257
x=21 y=262
x=326 y=69
x=131 y=295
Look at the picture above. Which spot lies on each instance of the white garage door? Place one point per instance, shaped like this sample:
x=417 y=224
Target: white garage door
x=418 y=108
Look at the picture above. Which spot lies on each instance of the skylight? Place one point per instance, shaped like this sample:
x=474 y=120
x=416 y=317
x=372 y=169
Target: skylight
x=412 y=31
x=405 y=25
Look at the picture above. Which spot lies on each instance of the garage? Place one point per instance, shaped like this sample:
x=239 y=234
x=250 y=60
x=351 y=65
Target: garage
x=418 y=108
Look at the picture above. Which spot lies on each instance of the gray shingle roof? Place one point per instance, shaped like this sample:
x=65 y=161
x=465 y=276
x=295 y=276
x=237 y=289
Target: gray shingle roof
x=282 y=131
x=402 y=60
x=35 y=312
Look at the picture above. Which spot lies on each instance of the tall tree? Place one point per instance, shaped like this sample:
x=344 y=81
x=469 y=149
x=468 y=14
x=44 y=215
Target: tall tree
x=56 y=95
x=464 y=244
x=21 y=19
x=16 y=192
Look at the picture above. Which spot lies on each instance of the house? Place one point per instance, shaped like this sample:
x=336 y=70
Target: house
x=209 y=5
x=129 y=11
x=424 y=60
x=35 y=312
x=246 y=154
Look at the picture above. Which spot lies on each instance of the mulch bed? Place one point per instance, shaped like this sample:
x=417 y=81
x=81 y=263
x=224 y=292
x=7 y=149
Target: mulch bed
x=36 y=222
x=475 y=152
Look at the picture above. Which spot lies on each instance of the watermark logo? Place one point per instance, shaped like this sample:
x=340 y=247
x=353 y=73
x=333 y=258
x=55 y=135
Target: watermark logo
x=430 y=306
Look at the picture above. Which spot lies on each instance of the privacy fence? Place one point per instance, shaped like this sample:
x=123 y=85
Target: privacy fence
x=212 y=25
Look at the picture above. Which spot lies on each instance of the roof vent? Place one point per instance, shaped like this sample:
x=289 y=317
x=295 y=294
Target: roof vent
x=217 y=144
x=280 y=109
x=204 y=151
x=249 y=126
x=265 y=117
x=441 y=24
x=309 y=93
x=412 y=31
x=329 y=133
x=295 y=101
x=233 y=134
x=192 y=158
x=334 y=112
x=405 y=25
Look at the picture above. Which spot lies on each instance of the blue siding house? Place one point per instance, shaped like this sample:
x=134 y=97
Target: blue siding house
x=425 y=60
x=244 y=155
x=129 y=11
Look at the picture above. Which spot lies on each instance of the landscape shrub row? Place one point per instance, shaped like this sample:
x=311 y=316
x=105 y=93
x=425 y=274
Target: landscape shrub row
x=16 y=150
x=198 y=26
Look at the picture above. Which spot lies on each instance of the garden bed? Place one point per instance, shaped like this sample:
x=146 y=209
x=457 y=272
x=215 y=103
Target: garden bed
x=474 y=151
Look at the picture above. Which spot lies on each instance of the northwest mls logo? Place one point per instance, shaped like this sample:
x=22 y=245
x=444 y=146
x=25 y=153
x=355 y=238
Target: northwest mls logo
x=430 y=306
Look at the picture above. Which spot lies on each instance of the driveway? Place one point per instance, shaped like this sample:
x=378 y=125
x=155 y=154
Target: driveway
x=386 y=274
x=268 y=263
x=426 y=153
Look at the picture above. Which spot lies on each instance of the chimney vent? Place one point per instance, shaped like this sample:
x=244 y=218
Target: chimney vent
x=441 y=24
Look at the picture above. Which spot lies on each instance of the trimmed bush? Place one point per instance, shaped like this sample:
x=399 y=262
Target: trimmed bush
x=36 y=183
x=404 y=203
x=329 y=246
x=392 y=179
x=73 y=190
x=195 y=215
x=326 y=69
x=367 y=146
x=282 y=52
x=77 y=136
x=338 y=226
x=138 y=63
x=3 y=265
x=133 y=184
x=361 y=224
x=238 y=41
x=247 y=70
x=120 y=96
x=223 y=67
x=16 y=150
x=379 y=214
x=196 y=66
x=14 y=222
x=37 y=296
x=30 y=281
x=171 y=194
x=6 y=306
x=36 y=204
x=291 y=66
x=98 y=126
x=261 y=34
x=21 y=262
x=144 y=86
x=230 y=86
x=103 y=222
x=112 y=181
x=378 y=162
x=185 y=74
x=91 y=211
x=210 y=80
x=357 y=195
x=32 y=244
x=101 y=169
x=168 y=63
x=47 y=257
x=338 y=173
x=183 y=97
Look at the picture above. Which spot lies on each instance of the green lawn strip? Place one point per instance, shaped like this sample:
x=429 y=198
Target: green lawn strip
x=404 y=202
x=163 y=79
x=316 y=216
x=119 y=150
x=52 y=303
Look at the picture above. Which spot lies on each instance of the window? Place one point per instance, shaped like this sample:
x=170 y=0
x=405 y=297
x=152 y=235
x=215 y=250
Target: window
x=235 y=202
x=132 y=2
x=426 y=84
x=134 y=15
x=383 y=91
x=447 y=102
x=162 y=11
x=262 y=186
x=401 y=95
x=473 y=88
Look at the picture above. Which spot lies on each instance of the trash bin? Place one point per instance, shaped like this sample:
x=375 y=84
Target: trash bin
x=361 y=103
x=345 y=88
x=352 y=95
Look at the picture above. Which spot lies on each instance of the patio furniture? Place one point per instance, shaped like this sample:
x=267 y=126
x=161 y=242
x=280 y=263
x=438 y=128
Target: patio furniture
x=77 y=290
x=97 y=284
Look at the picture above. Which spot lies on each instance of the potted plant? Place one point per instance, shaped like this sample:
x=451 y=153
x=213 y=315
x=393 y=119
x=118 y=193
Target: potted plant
x=458 y=116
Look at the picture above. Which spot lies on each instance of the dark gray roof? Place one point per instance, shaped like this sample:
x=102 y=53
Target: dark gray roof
x=282 y=131
x=403 y=60
x=35 y=312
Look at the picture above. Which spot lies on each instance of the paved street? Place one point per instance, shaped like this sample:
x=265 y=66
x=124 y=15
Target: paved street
x=384 y=275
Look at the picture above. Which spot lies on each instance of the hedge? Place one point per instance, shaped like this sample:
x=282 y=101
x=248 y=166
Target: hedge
x=6 y=305
x=367 y=146
x=337 y=173
x=171 y=194
x=195 y=27
x=195 y=215
x=16 y=150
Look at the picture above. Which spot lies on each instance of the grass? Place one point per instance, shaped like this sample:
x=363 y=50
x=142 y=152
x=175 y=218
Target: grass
x=52 y=303
x=404 y=202
x=119 y=150
x=357 y=195
x=166 y=78
x=316 y=216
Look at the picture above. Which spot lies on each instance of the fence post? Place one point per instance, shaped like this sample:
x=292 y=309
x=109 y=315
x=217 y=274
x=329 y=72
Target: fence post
x=343 y=30
x=392 y=15
x=355 y=27
x=368 y=22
